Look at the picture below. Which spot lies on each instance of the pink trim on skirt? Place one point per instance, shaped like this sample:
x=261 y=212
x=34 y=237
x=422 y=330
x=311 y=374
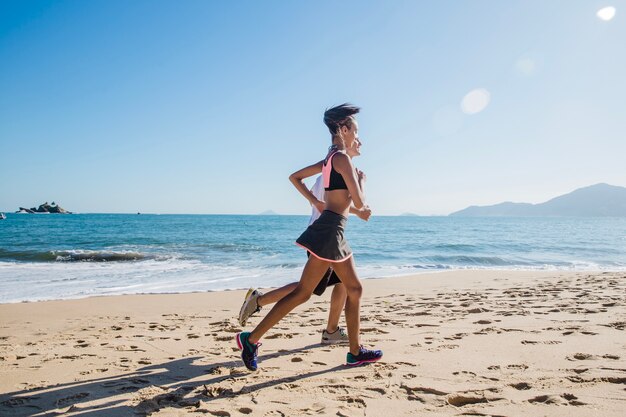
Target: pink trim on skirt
x=323 y=259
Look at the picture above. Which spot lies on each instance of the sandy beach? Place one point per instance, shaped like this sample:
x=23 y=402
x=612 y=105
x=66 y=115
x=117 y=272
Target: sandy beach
x=477 y=343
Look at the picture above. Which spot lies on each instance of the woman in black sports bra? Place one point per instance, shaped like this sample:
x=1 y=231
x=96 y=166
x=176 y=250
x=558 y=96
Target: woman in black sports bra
x=324 y=239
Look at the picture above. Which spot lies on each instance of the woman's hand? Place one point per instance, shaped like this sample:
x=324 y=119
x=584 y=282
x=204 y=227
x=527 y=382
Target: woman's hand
x=361 y=176
x=364 y=213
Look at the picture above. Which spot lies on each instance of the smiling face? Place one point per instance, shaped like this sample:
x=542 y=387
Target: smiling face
x=350 y=134
x=355 y=149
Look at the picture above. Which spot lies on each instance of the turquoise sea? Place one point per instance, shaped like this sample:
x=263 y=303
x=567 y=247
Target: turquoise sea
x=71 y=256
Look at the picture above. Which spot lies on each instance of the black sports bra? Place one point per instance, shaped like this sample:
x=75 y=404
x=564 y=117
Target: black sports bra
x=332 y=179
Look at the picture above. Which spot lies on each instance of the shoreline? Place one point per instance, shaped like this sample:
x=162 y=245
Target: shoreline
x=487 y=342
x=408 y=275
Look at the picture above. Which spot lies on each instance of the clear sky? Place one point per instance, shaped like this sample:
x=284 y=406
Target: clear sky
x=207 y=106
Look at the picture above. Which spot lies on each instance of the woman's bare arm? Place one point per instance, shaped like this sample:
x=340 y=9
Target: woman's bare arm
x=343 y=165
x=297 y=177
x=363 y=213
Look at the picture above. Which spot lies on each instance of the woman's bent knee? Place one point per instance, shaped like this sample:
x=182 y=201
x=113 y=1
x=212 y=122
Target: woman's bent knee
x=354 y=290
x=301 y=296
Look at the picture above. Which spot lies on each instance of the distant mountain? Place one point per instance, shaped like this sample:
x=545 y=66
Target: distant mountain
x=409 y=215
x=267 y=213
x=595 y=200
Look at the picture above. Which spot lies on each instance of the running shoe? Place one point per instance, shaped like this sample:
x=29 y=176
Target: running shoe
x=338 y=336
x=364 y=356
x=249 y=306
x=248 y=350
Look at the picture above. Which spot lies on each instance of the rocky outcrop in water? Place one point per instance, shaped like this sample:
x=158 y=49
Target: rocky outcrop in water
x=45 y=208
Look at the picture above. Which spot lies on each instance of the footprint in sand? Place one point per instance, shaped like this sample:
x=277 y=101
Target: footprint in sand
x=62 y=402
x=460 y=400
x=446 y=347
x=517 y=366
x=614 y=357
x=580 y=357
x=564 y=399
x=217 y=391
x=422 y=390
x=216 y=370
x=545 y=342
x=20 y=402
x=522 y=386
x=373 y=330
x=464 y=372
x=354 y=401
x=456 y=336
x=381 y=391
x=71 y=357
x=406 y=363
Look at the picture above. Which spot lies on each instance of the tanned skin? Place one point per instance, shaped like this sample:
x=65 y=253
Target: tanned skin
x=339 y=294
x=338 y=201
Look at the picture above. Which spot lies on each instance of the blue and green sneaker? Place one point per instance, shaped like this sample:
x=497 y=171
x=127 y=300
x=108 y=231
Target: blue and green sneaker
x=364 y=356
x=248 y=350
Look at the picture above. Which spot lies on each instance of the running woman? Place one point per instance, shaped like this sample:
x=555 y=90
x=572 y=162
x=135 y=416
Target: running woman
x=324 y=239
x=255 y=299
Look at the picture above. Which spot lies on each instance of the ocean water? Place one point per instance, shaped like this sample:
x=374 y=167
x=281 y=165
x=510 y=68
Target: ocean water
x=71 y=256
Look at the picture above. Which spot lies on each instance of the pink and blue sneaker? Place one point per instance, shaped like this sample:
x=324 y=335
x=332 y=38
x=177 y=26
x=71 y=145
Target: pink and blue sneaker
x=364 y=356
x=248 y=350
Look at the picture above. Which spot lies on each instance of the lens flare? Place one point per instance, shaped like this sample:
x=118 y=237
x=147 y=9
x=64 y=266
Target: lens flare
x=475 y=101
x=606 y=13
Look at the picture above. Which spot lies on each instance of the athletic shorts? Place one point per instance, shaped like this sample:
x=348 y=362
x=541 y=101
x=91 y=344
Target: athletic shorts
x=325 y=239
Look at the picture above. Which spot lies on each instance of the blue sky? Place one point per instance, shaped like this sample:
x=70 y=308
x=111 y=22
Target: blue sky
x=207 y=107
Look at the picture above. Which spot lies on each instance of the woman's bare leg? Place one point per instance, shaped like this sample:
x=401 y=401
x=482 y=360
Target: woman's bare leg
x=346 y=272
x=314 y=270
x=275 y=295
x=337 y=302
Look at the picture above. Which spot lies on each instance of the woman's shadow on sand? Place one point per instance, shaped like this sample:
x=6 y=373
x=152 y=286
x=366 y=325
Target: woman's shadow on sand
x=171 y=380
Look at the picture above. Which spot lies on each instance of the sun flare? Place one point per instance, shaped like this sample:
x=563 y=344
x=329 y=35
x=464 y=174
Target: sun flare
x=606 y=13
x=475 y=101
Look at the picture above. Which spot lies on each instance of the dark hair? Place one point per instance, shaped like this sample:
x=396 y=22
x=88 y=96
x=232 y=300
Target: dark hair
x=338 y=116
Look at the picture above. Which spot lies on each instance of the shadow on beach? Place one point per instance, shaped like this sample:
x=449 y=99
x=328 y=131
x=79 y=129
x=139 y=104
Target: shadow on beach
x=168 y=384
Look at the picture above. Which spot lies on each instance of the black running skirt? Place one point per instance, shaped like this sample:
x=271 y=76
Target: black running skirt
x=325 y=239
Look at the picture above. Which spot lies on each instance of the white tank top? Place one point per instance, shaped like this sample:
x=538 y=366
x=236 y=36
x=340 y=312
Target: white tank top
x=318 y=192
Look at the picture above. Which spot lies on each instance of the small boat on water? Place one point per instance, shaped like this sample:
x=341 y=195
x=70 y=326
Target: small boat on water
x=2 y=216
